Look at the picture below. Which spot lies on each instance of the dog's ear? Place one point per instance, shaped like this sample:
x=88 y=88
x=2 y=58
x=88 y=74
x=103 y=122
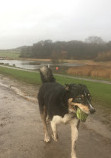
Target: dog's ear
x=67 y=87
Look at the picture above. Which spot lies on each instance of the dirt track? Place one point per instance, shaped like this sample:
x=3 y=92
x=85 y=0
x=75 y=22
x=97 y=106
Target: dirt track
x=21 y=133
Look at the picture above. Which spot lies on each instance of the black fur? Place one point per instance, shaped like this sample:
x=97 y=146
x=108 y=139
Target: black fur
x=54 y=97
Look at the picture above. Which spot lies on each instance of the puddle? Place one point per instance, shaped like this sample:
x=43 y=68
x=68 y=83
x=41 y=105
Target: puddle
x=13 y=85
x=19 y=92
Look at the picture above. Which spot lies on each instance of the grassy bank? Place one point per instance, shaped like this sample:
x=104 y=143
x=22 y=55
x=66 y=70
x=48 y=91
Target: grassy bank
x=101 y=92
x=24 y=76
x=10 y=54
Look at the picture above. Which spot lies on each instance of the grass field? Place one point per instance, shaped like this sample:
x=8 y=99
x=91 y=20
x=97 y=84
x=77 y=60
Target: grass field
x=24 y=76
x=101 y=93
x=9 y=54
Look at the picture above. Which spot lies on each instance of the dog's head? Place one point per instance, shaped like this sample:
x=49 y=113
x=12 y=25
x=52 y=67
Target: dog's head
x=79 y=97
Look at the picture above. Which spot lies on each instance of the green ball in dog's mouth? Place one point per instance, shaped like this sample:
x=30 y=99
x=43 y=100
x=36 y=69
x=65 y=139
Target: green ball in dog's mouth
x=81 y=115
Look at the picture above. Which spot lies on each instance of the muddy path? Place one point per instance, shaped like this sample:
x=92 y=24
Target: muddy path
x=21 y=133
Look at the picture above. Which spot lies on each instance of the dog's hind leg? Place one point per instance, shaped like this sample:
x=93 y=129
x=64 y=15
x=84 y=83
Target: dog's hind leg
x=74 y=136
x=43 y=117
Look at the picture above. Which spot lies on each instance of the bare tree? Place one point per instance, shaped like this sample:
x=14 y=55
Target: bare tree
x=94 y=39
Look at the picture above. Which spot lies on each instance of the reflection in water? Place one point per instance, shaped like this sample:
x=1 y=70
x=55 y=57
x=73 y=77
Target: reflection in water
x=23 y=64
x=32 y=65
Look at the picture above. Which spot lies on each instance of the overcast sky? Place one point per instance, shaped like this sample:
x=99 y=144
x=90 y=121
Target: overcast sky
x=24 y=22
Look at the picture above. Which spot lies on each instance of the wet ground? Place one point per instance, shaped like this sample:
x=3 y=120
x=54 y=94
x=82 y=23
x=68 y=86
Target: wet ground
x=21 y=132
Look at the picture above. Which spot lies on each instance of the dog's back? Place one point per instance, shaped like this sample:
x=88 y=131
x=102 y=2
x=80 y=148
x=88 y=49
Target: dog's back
x=52 y=95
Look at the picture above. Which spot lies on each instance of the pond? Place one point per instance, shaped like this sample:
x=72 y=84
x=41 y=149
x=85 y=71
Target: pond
x=34 y=65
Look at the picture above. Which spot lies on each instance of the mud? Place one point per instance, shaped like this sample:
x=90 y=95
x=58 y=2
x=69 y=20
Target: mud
x=21 y=132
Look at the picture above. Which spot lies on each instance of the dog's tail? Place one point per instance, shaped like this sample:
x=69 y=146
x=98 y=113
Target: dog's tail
x=46 y=74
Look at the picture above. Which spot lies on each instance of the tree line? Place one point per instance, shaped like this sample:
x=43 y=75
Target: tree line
x=92 y=48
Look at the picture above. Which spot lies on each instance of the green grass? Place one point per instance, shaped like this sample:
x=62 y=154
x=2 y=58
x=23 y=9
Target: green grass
x=24 y=76
x=9 y=54
x=101 y=92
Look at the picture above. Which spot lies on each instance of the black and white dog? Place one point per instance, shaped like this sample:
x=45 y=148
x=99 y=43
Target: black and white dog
x=59 y=104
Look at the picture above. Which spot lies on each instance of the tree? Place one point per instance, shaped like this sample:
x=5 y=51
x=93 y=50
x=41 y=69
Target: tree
x=94 y=40
x=60 y=50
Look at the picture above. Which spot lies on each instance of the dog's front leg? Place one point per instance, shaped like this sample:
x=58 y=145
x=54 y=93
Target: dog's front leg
x=56 y=120
x=54 y=130
x=74 y=136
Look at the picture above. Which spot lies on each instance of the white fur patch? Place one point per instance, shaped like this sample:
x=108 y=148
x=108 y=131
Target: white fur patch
x=68 y=118
x=74 y=137
x=44 y=70
x=58 y=119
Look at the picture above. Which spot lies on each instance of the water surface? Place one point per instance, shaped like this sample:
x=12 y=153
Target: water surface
x=34 y=65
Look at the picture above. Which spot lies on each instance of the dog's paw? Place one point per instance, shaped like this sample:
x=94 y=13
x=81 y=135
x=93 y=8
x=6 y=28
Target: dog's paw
x=47 y=139
x=73 y=155
x=55 y=138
